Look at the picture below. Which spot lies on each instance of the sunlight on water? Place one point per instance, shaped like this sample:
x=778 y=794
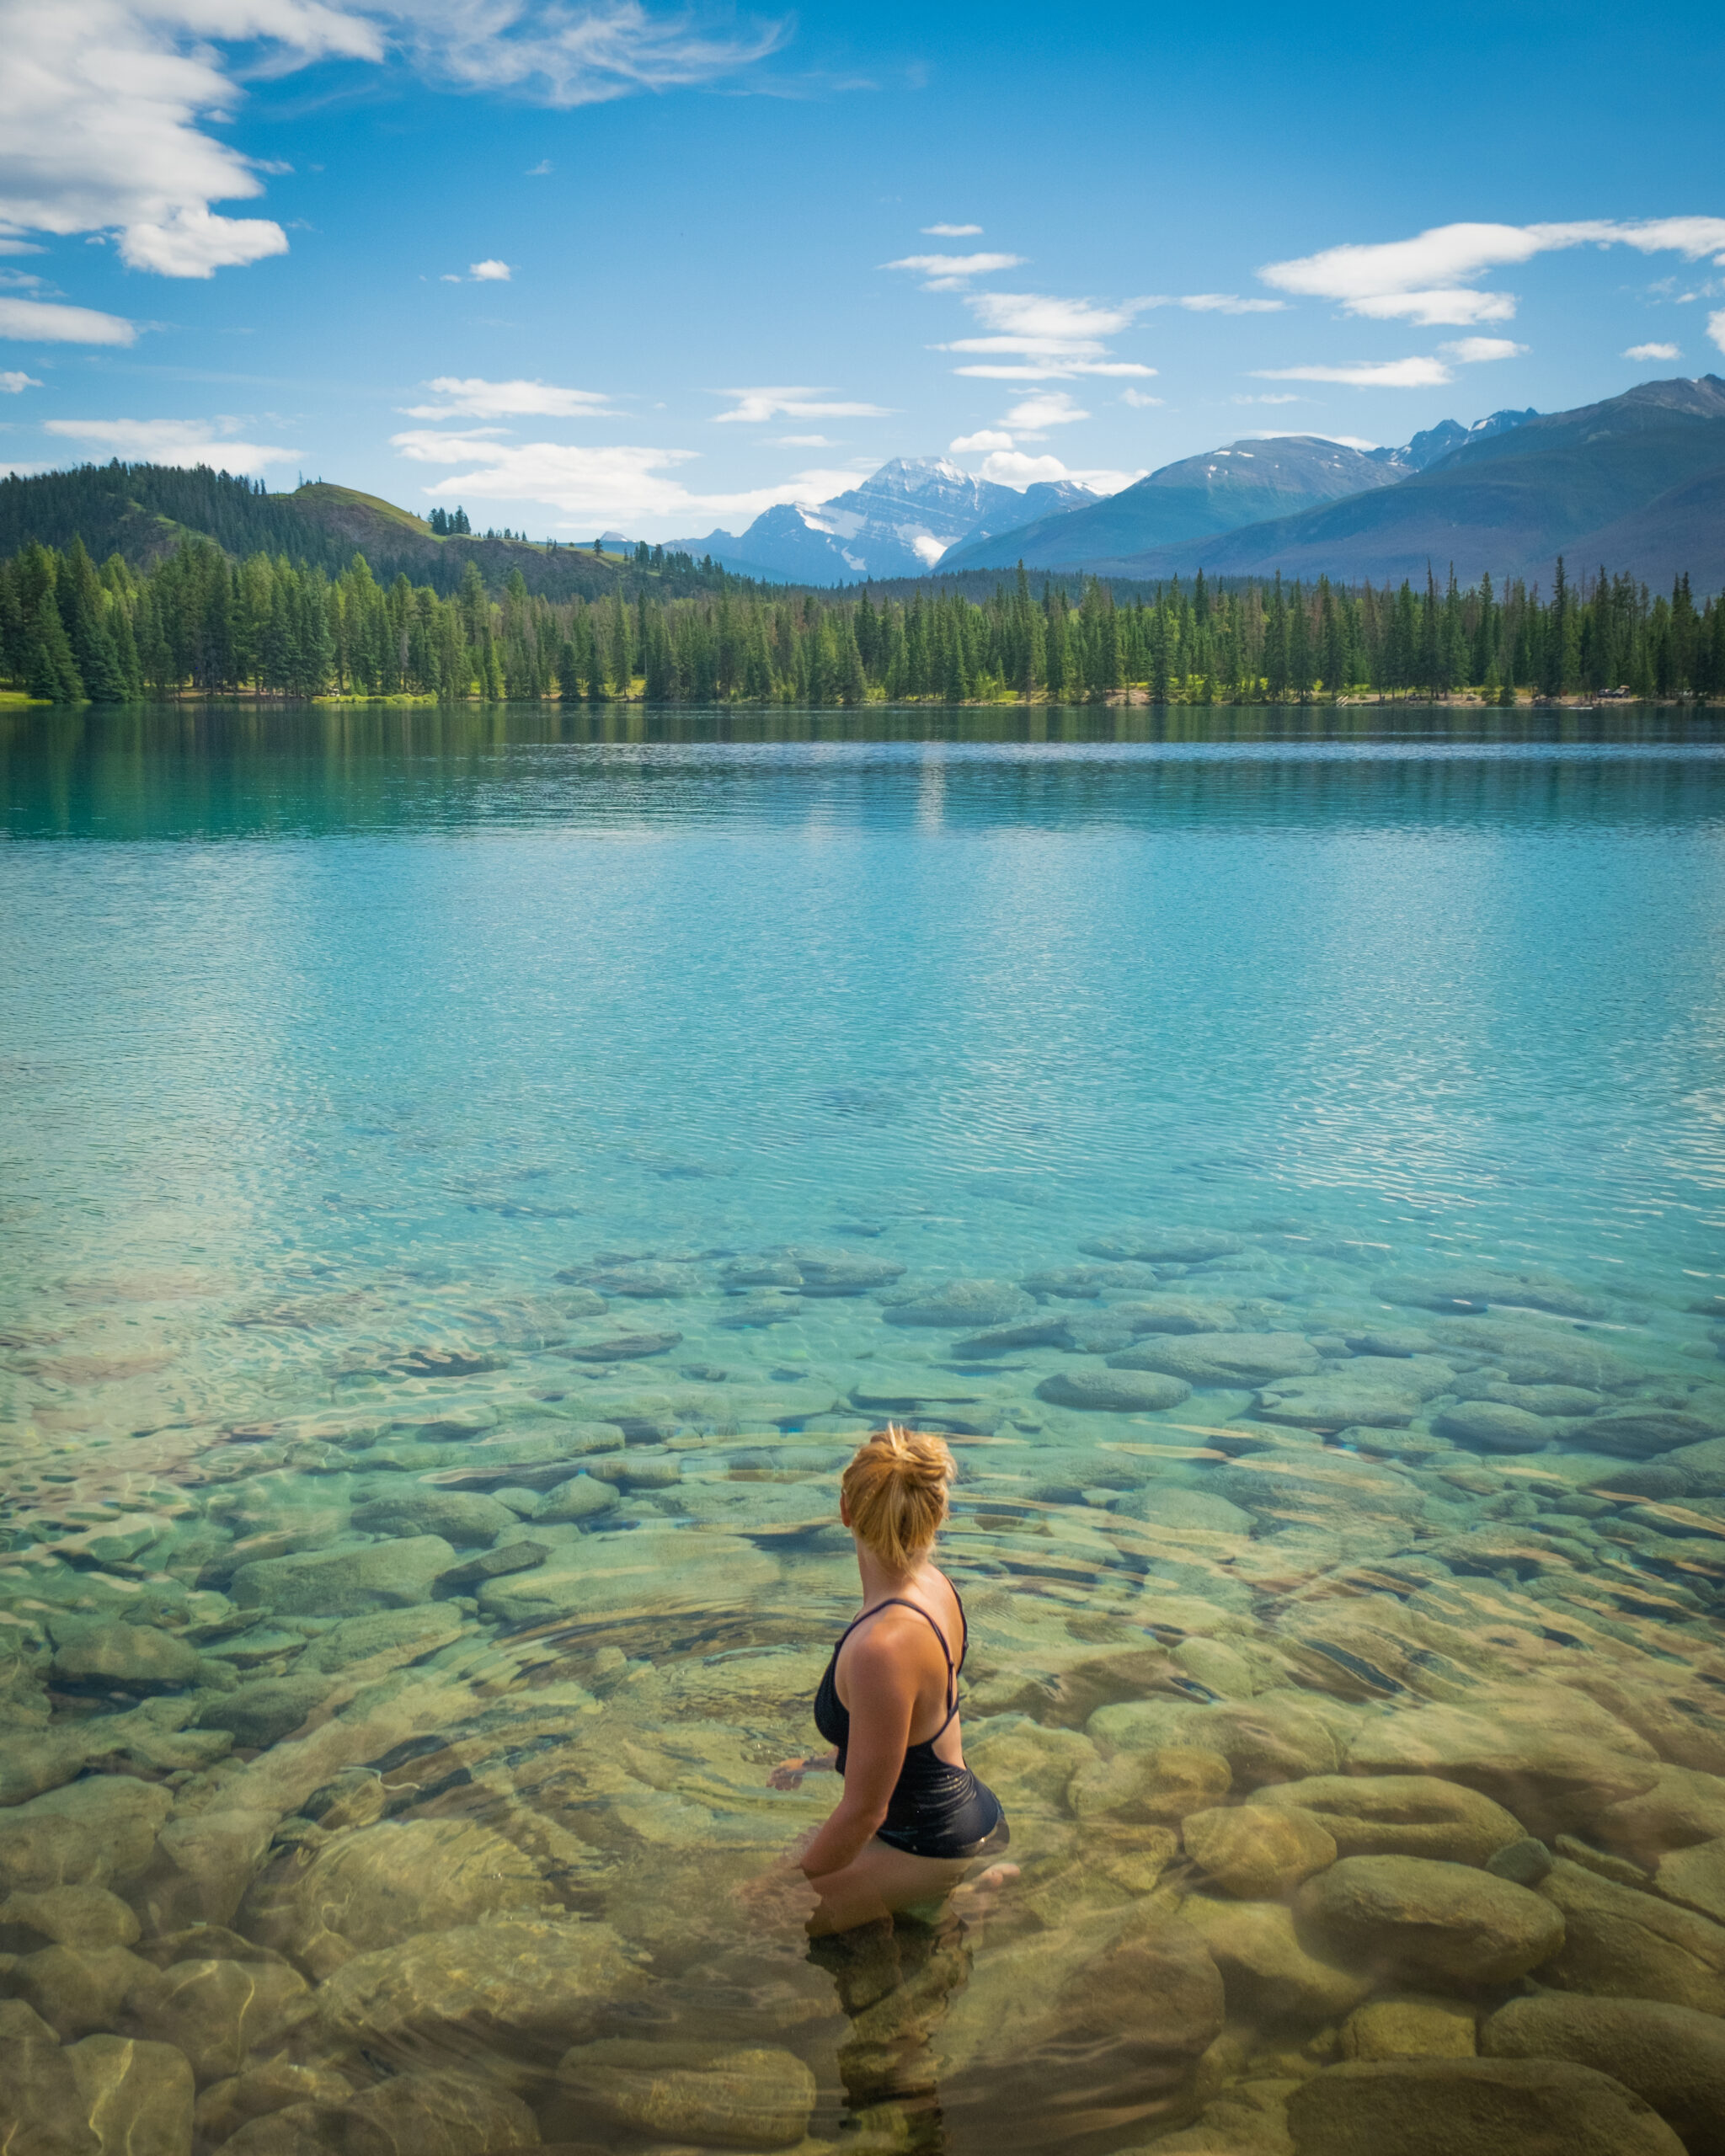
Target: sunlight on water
x=470 y=1179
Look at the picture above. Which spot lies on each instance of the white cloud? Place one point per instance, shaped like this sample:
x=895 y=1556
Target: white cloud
x=801 y=441
x=756 y=405
x=1471 y=351
x=1426 y=280
x=1715 y=328
x=1035 y=337
x=491 y=271
x=951 y=272
x=1224 y=303
x=1367 y=374
x=36 y=322
x=1653 y=352
x=1013 y=468
x=1284 y=396
x=539 y=171
x=627 y=483
x=11 y=382
x=1054 y=408
x=985 y=438
x=473 y=398
x=951 y=232
x=106 y=106
x=172 y=442
x=1137 y=399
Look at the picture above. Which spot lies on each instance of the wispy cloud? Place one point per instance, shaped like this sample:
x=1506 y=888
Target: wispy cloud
x=1036 y=337
x=540 y=171
x=1138 y=400
x=1471 y=351
x=173 y=441
x=952 y=273
x=471 y=397
x=1221 y=303
x=1054 y=408
x=1367 y=374
x=1715 y=328
x=12 y=383
x=37 y=322
x=758 y=405
x=979 y=443
x=1429 y=279
x=951 y=232
x=1653 y=352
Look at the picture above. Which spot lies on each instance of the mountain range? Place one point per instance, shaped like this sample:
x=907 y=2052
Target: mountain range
x=1635 y=483
x=1245 y=484
x=901 y=521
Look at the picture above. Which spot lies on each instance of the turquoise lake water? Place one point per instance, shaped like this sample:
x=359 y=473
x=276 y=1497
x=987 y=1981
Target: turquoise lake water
x=410 y=1118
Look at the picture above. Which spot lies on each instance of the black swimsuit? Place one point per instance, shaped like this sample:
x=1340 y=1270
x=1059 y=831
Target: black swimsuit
x=936 y=1809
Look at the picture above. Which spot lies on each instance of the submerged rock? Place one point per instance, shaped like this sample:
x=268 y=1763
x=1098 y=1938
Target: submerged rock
x=1671 y=2057
x=449 y=2113
x=137 y=2096
x=1472 y=2107
x=716 y=2097
x=1331 y=1401
x=581 y=1497
x=1415 y=2026
x=1269 y=1975
x=1694 y=1877
x=126 y=1658
x=100 y=1832
x=1401 y=1815
x=42 y=2111
x=218 y=2012
x=1492 y=1427
x=266 y=1709
x=343 y=1582
x=1642 y=1433
x=461 y=1516
x=1160 y=1787
x=1107 y=2017
x=1256 y=1853
x=1241 y=1359
x=960 y=1303
x=520 y=1987
x=1620 y=1943
x=379 y=1885
x=1114 y=1392
x=66 y=1915
x=1414 y=1917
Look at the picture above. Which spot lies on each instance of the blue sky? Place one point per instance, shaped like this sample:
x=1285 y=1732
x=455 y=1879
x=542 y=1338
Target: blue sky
x=645 y=269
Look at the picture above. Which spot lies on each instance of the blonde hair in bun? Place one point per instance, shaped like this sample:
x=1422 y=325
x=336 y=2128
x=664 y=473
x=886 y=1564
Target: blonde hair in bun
x=895 y=1492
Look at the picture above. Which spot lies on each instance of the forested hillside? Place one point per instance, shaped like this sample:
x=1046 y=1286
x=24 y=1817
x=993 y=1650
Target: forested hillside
x=143 y=512
x=198 y=622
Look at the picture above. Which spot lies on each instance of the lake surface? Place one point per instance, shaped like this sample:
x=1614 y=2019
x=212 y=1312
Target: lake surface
x=470 y=1178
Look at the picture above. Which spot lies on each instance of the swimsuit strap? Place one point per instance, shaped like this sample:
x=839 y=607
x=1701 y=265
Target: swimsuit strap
x=903 y=1602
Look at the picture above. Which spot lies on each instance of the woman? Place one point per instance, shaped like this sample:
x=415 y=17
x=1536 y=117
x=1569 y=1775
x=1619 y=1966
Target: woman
x=913 y=1818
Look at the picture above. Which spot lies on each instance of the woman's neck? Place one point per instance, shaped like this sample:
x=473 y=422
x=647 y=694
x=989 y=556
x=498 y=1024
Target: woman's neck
x=880 y=1585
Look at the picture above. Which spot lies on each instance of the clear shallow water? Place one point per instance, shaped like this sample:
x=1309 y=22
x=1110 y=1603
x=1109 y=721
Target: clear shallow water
x=374 y=1082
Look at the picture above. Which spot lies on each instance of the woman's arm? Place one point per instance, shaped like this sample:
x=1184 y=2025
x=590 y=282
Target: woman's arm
x=883 y=1684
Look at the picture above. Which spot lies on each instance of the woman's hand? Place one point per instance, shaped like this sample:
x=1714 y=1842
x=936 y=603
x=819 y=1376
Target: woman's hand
x=782 y=1894
x=789 y=1773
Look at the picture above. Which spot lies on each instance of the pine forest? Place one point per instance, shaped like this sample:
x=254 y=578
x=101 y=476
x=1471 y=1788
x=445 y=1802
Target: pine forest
x=199 y=622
